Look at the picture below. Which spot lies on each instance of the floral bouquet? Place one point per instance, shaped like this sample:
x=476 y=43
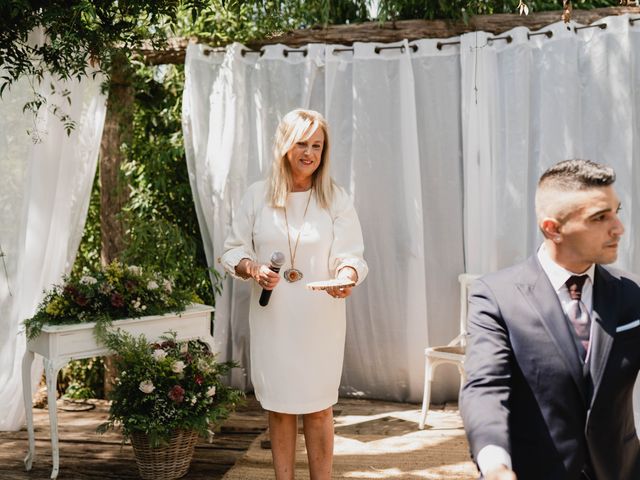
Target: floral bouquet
x=165 y=387
x=113 y=293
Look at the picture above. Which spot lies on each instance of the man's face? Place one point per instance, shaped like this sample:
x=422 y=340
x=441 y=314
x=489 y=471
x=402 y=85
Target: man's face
x=589 y=230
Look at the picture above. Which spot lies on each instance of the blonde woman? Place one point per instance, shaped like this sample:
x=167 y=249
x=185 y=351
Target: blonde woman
x=297 y=340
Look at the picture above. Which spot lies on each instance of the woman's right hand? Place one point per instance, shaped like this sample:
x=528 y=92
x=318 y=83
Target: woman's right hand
x=260 y=272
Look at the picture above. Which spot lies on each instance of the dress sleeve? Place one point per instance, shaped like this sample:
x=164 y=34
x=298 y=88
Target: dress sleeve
x=347 y=248
x=239 y=242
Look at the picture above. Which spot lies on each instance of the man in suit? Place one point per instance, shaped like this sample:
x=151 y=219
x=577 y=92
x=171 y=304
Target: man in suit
x=554 y=344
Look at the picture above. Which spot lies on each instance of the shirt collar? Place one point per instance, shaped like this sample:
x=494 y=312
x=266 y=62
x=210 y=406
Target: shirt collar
x=559 y=275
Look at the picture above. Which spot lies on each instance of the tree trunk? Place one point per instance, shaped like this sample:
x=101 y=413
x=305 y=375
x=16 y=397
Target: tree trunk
x=114 y=190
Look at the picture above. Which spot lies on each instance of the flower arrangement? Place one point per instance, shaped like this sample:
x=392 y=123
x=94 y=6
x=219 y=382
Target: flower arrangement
x=114 y=292
x=166 y=386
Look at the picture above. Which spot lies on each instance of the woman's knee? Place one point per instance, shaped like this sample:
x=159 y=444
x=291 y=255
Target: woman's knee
x=279 y=417
x=321 y=416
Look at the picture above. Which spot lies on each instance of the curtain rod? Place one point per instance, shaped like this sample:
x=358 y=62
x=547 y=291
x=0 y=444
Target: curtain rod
x=413 y=47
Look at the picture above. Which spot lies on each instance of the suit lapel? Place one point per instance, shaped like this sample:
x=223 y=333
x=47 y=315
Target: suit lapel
x=603 y=321
x=540 y=294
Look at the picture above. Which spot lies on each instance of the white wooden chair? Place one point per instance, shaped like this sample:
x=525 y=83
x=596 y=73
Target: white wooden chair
x=453 y=353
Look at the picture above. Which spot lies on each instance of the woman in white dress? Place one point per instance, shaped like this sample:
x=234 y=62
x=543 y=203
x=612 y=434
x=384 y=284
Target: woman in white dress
x=297 y=339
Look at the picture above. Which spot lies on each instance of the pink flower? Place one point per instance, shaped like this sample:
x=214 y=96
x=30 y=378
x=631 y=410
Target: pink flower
x=199 y=379
x=177 y=394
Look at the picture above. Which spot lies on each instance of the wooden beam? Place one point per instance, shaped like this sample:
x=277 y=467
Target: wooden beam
x=395 y=31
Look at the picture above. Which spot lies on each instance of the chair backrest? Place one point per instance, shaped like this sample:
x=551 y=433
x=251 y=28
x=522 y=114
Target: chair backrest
x=465 y=280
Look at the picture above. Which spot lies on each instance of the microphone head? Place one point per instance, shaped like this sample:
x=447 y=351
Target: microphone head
x=277 y=259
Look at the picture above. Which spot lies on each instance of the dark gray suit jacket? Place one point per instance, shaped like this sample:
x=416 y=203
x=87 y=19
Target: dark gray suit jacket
x=527 y=389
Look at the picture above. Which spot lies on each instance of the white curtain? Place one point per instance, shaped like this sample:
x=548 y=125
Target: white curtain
x=44 y=198
x=440 y=147
x=532 y=102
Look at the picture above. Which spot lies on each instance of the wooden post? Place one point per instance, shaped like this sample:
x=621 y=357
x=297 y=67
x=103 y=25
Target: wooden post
x=114 y=191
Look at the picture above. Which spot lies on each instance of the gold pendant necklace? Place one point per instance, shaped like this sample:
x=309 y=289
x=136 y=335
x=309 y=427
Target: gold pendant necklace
x=293 y=274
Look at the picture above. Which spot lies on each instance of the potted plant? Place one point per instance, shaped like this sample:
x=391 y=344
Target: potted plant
x=166 y=394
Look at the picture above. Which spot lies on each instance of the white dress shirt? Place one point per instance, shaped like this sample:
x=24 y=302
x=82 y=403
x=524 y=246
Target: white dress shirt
x=492 y=456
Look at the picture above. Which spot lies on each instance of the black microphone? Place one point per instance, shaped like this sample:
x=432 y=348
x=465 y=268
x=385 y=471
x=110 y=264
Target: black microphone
x=277 y=260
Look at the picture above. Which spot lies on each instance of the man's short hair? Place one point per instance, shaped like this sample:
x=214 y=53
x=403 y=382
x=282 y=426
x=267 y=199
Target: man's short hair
x=569 y=176
x=577 y=175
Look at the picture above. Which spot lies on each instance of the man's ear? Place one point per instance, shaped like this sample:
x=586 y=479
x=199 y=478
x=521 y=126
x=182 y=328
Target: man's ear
x=550 y=228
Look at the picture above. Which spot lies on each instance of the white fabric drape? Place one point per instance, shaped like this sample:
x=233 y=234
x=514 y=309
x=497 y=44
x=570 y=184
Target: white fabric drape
x=441 y=149
x=44 y=199
x=530 y=103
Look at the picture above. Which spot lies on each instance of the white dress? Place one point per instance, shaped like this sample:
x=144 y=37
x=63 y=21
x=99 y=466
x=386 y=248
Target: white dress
x=297 y=340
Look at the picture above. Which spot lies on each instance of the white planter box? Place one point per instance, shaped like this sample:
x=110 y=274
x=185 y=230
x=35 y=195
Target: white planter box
x=76 y=341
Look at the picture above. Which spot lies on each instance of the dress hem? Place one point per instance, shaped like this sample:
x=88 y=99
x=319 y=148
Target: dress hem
x=298 y=409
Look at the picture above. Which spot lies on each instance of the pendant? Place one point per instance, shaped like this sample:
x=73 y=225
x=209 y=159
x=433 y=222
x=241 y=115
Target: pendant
x=292 y=275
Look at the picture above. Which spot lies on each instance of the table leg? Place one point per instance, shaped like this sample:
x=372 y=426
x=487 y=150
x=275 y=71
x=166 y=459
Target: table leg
x=27 y=394
x=51 y=371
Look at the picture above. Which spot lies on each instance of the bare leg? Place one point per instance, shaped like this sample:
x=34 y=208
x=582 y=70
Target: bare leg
x=318 y=435
x=283 y=429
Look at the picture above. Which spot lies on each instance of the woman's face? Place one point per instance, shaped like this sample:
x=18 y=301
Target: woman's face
x=305 y=156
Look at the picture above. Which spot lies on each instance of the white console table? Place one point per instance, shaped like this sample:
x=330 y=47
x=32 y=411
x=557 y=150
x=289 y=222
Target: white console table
x=60 y=344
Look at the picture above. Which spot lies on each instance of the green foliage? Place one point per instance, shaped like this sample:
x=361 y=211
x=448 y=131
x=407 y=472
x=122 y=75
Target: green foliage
x=82 y=379
x=108 y=294
x=223 y=22
x=167 y=386
x=162 y=226
x=81 y=33
x=88 y=256
x=464 y=9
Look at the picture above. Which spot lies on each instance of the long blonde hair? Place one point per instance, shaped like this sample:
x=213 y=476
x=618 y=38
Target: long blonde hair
x=298 y=126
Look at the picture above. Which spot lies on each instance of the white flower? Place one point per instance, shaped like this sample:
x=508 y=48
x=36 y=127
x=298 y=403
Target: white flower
x=146 y=386
x=135 y=269
x=136 y=303
x=184 y=347
x=212 y=391
x=167 y=285
x=88 y=280
x=193 y=400
x=177 y=367
x=159 y=354
x=203 y=365
x=152 y=285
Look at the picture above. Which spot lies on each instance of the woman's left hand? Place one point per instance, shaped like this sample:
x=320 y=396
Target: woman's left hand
x=346 y=273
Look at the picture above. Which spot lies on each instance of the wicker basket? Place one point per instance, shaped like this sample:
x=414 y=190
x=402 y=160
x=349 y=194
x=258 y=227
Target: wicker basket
x=167 y=462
